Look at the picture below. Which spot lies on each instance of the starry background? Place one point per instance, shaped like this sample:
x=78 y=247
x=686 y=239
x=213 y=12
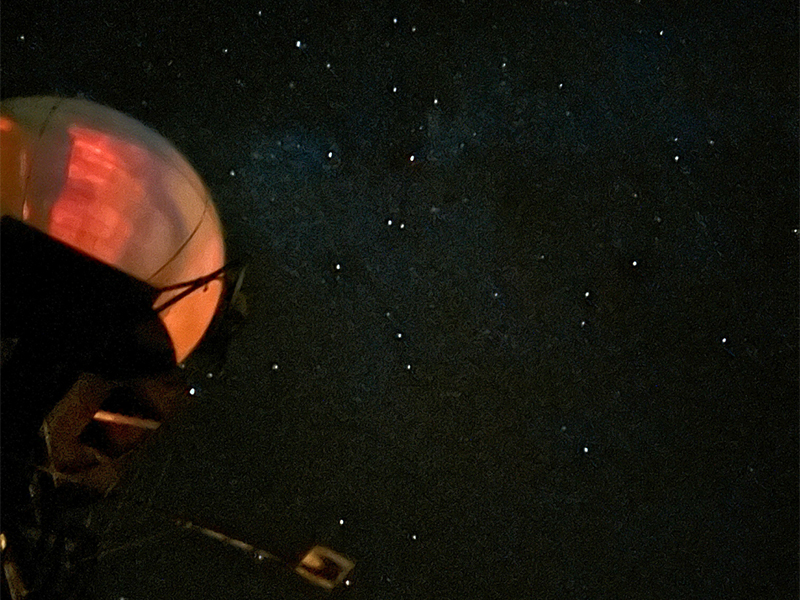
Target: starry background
x=521 y=292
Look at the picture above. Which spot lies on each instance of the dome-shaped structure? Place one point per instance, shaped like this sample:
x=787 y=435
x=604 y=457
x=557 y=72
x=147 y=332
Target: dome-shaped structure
x=113 y=189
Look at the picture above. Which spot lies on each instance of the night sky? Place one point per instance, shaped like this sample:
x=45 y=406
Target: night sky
x=521 y=293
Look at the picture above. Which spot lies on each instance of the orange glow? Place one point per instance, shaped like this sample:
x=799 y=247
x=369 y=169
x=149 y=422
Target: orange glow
x=187 y=320
x=13 y=166
x=91 y=213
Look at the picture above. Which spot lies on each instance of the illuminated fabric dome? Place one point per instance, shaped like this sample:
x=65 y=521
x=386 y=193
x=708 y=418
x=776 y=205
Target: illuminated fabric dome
x=111 y=188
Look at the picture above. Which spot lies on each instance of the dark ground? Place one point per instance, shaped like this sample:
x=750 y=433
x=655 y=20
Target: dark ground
x=573 y=424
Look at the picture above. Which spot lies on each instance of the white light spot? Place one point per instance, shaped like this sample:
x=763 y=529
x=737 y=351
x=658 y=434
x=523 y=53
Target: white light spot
x=347 y=582
x=661 y=33
x=394 y=89
x=192 y=391
x=341 y=521
x=414 y=537
x=402 y=225
x=394 y=20
x=724 y=340
x=259 y=13
x=563 y=428
x=675 y=139
x=408 y=367
x=586 y=295
x=634 y=263
x=224 y=50
x=330 y=154
x=411 y=158
x=274 y=366
x=677 y=158
x=583 y=323
x=231 y=172
x=398 y=335
x=389 y=223
x=495 y=294
x=388 y=314
x=338 y=267
x=21 y=38
x=209 y=375
x=436 y=101
x=298 y=44
x=710 y=142
x=585 y=450
x=413 y=29
x=560 y=86
x=327 y=65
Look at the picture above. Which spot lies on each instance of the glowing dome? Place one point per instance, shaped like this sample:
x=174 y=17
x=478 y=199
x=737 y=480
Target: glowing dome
x=106 y=185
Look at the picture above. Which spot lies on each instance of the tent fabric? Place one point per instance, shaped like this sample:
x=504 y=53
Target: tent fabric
x=107 y=185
